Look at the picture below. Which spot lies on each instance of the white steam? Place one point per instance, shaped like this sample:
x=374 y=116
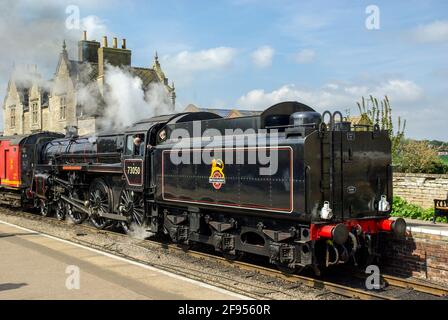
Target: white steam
x=139 y=232
x=124 y=100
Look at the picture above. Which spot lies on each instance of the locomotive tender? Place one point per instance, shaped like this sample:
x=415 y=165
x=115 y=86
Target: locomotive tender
x=284 y=184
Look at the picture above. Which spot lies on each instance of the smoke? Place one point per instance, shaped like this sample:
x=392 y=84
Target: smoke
x=127 y=102
x=124 y=100
x=31 y=32
x=139 y=232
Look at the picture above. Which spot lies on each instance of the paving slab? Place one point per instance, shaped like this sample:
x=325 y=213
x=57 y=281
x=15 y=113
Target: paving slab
x=37 y=266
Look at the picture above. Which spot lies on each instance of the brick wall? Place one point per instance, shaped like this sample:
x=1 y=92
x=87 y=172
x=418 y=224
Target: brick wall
x=423 y=256
x=420 y=189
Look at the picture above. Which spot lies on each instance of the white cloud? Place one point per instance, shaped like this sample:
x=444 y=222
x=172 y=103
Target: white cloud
x=305 y=56
x=400 y=90
x=262 y=57
x=333 y=95
x=210 y=59
x=436 y=31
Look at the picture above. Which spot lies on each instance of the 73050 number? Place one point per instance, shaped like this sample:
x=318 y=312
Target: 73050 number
x=134 y=170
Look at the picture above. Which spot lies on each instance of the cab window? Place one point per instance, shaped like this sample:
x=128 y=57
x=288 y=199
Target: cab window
x=135 y=145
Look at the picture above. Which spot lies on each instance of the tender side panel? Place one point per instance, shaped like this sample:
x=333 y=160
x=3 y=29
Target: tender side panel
x=226 y=183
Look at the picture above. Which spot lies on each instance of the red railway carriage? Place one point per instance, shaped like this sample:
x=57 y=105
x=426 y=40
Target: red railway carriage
x=9 y=162
x=17 y=156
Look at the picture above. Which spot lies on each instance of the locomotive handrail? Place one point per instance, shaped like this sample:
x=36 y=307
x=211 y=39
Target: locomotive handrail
x=307 y=188
x=340 y=116
x=292 y=125
x=331 y=123
x=331 y=151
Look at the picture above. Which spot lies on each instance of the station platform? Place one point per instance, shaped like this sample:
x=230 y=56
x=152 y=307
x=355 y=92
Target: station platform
x=427 y=227
x=38 y=266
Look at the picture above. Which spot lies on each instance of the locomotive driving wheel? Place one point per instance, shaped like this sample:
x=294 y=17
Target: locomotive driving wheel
x=100 y=202
x=75 y=215
x=132 y=206
x=45 y=208
x=60 y=210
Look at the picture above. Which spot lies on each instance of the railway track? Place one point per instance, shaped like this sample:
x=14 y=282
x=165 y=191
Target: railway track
x=395 y=288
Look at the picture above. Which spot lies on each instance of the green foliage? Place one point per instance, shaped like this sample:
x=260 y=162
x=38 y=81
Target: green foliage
x=404 y=209
x=407 y=155
x=444 y=159
x=419 y=157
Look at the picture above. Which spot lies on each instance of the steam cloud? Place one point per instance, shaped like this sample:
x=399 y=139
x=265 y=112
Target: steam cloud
x=125 y=100
x=27 y=36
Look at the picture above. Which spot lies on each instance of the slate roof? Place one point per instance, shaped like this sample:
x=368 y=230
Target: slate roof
x=147 y=75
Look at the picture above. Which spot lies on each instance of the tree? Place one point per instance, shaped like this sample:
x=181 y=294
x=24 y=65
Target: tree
x=420 y=157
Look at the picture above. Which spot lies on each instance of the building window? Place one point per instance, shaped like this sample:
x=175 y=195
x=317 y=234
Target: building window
x=13 y=117
x=63 y=109
x=35 y=113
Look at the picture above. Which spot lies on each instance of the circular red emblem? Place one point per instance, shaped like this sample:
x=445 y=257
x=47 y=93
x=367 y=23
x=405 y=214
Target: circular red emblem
x=219 y=176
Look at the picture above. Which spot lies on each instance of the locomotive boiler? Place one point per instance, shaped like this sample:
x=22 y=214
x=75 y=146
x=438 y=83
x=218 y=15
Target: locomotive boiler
x=302 y=189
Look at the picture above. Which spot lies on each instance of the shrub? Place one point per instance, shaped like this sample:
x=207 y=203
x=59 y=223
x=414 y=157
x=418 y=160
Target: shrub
x=419 y=157
x=404 y=209
x=444 y=159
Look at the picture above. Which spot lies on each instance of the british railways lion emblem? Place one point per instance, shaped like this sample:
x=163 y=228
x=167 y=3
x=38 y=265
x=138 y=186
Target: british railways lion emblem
x=217 y=177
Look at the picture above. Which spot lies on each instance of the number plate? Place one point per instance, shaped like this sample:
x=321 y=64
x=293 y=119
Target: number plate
x=133 y=171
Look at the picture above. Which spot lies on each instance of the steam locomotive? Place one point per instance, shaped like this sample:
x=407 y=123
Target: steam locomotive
x=301 y=188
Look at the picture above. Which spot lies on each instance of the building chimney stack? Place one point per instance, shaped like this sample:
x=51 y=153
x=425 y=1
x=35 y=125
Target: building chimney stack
x=123 y=43
x=115 y=43
x=84 y=35
x=105 y=42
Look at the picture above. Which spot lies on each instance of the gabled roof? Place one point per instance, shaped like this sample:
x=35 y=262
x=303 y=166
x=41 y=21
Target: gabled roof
x=147 y=75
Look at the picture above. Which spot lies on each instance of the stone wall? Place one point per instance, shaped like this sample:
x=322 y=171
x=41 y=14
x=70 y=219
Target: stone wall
x=419 y=255
x=420 y=189
x=87 y=125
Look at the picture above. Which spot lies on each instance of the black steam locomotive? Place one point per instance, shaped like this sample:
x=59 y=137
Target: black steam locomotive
x=290 y=184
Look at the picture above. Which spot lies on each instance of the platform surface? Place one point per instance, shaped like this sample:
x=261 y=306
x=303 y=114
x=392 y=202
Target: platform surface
x=36 y=266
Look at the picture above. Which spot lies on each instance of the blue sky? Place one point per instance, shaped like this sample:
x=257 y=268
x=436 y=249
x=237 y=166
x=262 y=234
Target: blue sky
x=250 y=53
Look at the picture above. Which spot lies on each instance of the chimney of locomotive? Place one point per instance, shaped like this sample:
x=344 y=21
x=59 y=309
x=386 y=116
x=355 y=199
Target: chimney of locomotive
x=71 y=132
